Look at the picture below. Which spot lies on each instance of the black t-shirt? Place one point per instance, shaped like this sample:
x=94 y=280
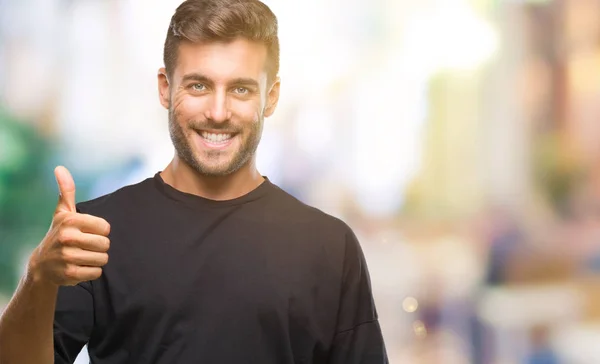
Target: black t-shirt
x=262 y=279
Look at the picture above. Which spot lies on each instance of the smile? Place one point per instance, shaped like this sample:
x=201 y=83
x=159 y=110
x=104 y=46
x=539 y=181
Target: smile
x=214 y=138
x=215 y=141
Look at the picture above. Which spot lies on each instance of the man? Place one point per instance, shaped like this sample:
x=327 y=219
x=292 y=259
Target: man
x=210 y=262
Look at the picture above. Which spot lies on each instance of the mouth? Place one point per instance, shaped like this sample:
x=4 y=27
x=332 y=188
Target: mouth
x=216 y=140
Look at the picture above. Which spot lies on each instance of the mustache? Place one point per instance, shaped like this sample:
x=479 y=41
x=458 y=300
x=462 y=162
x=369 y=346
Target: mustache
x=225 y=126
x=206 y=124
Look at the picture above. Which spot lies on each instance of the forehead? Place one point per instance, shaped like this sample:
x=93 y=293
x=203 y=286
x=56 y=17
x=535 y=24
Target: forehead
x=222 y=60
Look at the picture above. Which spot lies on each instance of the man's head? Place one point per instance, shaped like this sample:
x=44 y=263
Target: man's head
x=219 y=81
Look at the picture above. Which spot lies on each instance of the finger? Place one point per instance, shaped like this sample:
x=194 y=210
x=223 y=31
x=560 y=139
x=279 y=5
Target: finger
x=85 y=241
x=84 y=258
x=88 y=224
x=94 y=243
x=66 y=189
x=75 y=273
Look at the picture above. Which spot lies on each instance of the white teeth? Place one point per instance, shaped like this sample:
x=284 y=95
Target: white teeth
x=216 y=138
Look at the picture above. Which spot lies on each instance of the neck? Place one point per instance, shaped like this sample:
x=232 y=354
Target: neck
x=182 y=177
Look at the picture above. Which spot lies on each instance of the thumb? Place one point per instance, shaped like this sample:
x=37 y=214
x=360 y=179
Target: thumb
x=66 y=189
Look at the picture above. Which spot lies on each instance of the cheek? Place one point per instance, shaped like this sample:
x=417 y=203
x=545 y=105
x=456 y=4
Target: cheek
x=246 y=111
x=187 y=107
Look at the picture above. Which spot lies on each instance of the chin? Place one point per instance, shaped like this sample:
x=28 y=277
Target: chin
x=217 y=166
x=215 y=170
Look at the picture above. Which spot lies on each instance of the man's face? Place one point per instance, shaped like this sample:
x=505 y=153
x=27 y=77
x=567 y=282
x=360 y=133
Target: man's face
x=217 y=99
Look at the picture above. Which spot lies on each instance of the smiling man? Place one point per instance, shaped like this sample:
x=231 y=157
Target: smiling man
x=210 y=262
x=218 y=95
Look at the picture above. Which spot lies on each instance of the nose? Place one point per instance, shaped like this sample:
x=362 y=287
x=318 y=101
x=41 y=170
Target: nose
x=218 y=109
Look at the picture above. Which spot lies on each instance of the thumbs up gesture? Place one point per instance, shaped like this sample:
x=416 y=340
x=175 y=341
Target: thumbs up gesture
x=75 y=248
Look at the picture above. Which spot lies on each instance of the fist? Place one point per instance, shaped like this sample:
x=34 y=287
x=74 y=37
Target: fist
x=76 y=247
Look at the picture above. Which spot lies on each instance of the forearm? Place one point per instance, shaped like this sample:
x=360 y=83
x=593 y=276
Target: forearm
x=26 y=333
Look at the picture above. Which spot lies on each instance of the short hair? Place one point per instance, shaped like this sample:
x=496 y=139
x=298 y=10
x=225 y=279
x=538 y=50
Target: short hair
x=223 y=20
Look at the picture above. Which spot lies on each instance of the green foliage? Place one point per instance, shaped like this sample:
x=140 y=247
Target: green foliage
x=27 y=198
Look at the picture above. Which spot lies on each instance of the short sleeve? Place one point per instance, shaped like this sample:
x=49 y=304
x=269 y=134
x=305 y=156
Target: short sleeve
x=73 y=321
x=358 y=336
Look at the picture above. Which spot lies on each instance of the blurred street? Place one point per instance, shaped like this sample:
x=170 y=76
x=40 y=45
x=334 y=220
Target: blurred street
x=460 y=139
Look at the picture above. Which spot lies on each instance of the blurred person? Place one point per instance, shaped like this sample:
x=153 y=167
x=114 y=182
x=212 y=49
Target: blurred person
x=209 y=260
x=542 y=351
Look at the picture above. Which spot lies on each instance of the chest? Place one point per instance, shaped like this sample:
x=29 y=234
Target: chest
x=229 y=278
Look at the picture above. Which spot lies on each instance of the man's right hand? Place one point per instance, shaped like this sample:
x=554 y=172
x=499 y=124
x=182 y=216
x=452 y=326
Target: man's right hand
x=75 y=248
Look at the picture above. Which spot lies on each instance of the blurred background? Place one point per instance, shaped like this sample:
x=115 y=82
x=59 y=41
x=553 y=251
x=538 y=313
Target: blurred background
x=460 y=139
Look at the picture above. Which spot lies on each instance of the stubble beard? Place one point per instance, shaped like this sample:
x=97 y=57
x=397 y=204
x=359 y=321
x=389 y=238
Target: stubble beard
x=196 y=160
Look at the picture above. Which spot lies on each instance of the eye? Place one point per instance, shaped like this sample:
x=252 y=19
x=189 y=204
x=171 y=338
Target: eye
x=241 y=90
x=198 y=87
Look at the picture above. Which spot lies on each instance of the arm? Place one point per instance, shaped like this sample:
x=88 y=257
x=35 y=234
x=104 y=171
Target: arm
x=46 y=323
x=26 y=324
x=358 y=338
x=73 y=251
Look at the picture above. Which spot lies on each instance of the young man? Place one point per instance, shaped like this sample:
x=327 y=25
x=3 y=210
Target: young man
x=210 y=262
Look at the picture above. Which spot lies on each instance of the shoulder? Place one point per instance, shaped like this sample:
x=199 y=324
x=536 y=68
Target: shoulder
x=118 y=199
x=291 y=211
x=308 y=228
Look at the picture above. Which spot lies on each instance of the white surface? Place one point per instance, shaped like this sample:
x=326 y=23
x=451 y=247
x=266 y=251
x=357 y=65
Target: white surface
x=83 y=357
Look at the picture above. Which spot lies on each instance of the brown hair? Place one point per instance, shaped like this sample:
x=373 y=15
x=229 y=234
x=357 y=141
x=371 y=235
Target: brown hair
x=223 y=20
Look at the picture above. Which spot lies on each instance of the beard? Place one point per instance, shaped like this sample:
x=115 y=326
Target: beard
x=214 y=163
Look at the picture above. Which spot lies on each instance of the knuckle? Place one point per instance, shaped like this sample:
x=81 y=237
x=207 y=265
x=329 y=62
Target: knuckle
x=67 y=256
x=104 y=259
x=64 y=236
x=71 y=271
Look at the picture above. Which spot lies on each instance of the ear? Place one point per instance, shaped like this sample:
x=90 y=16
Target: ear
x=272 y=98
x=163 y=88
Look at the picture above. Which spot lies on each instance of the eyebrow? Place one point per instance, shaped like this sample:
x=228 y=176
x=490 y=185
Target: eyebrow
x=198 y=77
x=245 y=82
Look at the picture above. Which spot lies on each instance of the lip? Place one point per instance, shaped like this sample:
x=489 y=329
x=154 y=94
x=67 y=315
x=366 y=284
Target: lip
x=216 y=131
